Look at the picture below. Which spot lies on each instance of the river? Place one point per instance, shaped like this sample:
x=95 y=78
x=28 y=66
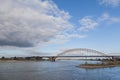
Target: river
x=59 y=70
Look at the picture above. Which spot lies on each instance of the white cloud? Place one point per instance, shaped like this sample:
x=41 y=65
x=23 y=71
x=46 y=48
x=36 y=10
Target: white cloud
x=113 y=3
x=28 y=23
x=60 y=39
x=87 y=23
x=25 y=23
x=106 y=18
x=28 y=26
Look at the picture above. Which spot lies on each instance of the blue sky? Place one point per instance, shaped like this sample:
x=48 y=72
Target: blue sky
x=45 y=27
x=104 y=37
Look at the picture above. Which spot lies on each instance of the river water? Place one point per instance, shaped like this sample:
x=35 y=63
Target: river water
x=59 y=70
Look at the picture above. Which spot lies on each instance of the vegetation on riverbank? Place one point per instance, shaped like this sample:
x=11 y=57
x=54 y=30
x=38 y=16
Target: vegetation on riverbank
x=16 y=59
x=105 y=64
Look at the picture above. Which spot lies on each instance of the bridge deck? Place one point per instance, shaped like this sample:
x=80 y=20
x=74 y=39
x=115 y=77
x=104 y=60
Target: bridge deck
x=81 y=56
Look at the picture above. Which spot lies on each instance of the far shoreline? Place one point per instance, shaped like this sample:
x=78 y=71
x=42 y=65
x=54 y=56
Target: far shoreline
x=2 y=61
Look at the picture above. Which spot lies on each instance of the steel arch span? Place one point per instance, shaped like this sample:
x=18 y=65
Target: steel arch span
x=82 y=52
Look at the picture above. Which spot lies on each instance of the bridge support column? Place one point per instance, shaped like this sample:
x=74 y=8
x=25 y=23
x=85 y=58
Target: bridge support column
x=52 y=59
x=113 y=58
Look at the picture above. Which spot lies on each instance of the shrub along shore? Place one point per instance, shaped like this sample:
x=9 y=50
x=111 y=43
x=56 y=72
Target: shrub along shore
x=104 y=64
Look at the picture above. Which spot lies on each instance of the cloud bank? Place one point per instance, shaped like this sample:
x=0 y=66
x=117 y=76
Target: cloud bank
x=89 y=23
x=26 y=23
x=113 y=3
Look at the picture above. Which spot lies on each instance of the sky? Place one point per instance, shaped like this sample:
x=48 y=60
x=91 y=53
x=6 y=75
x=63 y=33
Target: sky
x=48 y=27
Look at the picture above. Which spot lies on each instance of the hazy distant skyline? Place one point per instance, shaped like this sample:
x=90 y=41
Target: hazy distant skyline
x=45 y=27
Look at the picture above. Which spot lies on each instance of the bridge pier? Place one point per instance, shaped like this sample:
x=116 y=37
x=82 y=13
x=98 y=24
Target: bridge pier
x=115 y=58
x=52 y=59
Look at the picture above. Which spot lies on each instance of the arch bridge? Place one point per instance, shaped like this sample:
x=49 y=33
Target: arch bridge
x=82 y=52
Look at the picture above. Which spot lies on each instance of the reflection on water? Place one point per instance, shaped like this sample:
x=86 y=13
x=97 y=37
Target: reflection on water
x=59 y=70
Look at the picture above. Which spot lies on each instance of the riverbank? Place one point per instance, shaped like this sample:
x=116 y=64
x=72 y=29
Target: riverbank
x=2 y=61
x=105 y=64
x=11 y=60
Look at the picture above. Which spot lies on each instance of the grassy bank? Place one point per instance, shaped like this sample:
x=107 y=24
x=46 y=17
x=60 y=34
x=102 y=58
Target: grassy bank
x=105 y=64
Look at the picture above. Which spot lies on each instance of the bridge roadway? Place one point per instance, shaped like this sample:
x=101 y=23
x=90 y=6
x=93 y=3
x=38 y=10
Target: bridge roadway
x=82 y=56
x=52 y=58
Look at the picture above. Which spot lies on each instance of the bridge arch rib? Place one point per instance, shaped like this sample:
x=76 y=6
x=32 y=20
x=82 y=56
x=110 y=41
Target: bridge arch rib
x=82 y=51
